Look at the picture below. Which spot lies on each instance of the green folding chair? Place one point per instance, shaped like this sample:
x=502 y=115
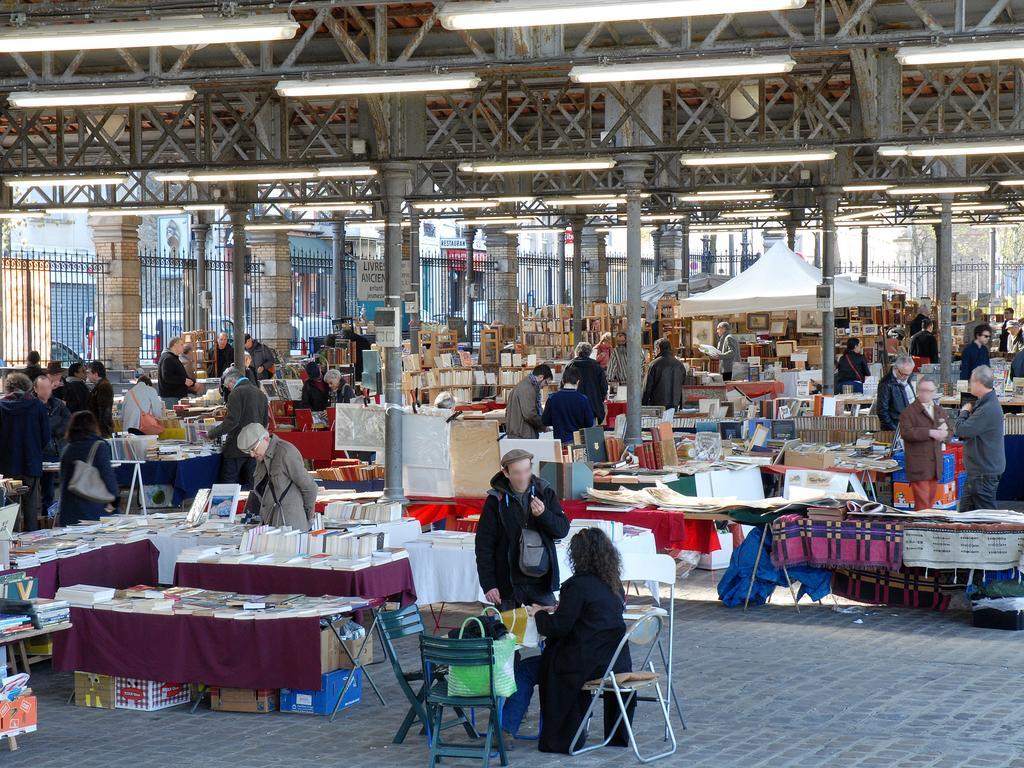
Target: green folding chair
x=438 y=652
x=391 y=627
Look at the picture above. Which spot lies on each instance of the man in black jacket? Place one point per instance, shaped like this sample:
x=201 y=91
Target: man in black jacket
x=101 y=397
x=924 y=344
x=262 y=358
x=518 y=500
x=665 y=378
x=246 y=405
x=593 y=381
x=172 y=378
x=76 y=391
x=895 y=392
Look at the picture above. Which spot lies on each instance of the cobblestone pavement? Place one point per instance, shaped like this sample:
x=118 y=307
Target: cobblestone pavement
x=768 y=688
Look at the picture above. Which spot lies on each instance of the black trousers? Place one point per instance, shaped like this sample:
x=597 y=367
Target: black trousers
x=241 y=470
x=29 y=512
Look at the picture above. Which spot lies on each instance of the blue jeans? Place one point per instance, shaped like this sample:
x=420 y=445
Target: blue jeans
x=527 y=675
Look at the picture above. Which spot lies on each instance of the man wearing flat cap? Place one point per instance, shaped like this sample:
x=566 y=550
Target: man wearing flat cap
x=515 y=539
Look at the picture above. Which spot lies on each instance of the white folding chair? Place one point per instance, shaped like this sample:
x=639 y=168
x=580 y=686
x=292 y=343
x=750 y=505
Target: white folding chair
x=625 y=686
x=656 y=570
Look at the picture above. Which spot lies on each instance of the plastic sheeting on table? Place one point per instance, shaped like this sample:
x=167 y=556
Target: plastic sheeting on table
x=358 y=427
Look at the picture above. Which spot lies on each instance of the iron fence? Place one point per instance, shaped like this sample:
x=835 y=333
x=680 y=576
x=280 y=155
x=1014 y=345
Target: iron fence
x=972 y=279
x=169 y=297
x=49 y=304
x=617 y=275
x=443 y=288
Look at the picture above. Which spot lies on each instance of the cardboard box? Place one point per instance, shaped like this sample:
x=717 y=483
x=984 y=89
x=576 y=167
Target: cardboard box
x=946 y=495
x=322 y=702
x=20 y=714
x=332 y=656
x=149 y=695
x=243 y=699
x=94 y=690
x=39 y=646
x=811 y=460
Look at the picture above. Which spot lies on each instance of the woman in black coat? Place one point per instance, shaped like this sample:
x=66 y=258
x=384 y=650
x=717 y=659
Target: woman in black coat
x=314 y=389
x=581 y=637
x=83 y=434
x=852 y=368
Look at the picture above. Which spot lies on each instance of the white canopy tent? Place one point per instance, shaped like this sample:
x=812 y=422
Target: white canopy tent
x=778 y=280
x=699 y=282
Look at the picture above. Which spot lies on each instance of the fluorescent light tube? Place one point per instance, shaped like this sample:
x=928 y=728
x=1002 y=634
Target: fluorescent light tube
x=960 y=53
x=21 y=215
x=535 y=231
x=440 y=205
x=695 y=69
x=354 y=86
x=700 y=159
x=535 y=166
x=496 y=220
x=343 y=171
x=171 y=176
x=1011 y=183
x=203 y=207
x=256 y=174
x=727 y=197
x=754 y=213
x=101 y=97
x=298 y=225
x=135 y=211
x=476 y=14
x=181 y=31
x=595 y=200
x=66 y=180
x=952 y=189
x=952 y=149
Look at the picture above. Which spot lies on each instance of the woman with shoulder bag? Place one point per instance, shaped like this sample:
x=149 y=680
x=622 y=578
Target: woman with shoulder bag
x=85 y=448
x=284 y=493
x=852 y=368
x=142 y=410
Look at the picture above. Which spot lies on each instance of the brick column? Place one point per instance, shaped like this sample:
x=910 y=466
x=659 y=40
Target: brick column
x=671 y=254
x=595 y=279
x=272 y=315
x=119 y=299
x=504 y=249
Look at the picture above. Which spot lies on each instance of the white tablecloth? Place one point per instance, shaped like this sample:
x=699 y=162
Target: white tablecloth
x=448 y=575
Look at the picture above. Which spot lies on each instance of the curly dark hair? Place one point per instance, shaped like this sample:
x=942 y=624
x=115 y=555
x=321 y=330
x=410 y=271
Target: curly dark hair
x=592 y=552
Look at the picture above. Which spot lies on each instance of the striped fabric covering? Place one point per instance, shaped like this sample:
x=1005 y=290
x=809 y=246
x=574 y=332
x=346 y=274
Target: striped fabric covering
x=909 y=588
x=855 y=543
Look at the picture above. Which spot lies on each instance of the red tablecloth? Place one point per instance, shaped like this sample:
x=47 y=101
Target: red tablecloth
x=757 y=388
x=316 y=446
x=613 y=409
x=671 y=529
x=432 y=510
x=117 y=566
x=278 y=653
x=390 y=580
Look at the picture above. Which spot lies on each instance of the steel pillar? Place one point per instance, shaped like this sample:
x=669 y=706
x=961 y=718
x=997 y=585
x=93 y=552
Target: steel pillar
x=238 y=213
x=577 y=221
x=633 y=168
x=864 y=254
x=338 y=264
x=470 y=291
x=200 y=236
x=830 y=202
x=397 y=178
x=414 y=280
x=944 y=287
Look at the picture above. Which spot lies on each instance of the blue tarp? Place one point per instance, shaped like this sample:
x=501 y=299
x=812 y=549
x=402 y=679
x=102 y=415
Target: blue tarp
x=732 y=588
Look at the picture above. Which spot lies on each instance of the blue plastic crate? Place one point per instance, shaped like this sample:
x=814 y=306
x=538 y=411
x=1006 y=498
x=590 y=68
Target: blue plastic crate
x=322 y=702
x=960 y=480
x=948 y=468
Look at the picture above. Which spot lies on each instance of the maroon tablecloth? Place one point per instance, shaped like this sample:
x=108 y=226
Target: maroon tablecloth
x=117 y=566
x=390 y=580
x=234 y=653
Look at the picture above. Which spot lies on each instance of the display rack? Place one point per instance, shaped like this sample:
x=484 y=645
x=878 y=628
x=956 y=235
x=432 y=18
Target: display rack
x=433 y=342
x=548 y=332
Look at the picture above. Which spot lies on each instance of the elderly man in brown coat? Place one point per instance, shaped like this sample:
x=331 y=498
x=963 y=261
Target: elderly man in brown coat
x=924 y=427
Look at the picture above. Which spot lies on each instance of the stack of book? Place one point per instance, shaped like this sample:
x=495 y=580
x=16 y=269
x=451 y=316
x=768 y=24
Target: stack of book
x=377 y=512
x=12 y=623
x=448 y=540
x=50 y=612
x=85 y=595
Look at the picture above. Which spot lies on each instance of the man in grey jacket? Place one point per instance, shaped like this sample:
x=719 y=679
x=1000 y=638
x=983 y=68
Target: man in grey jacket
x=246 y=405
x=522 y=406
x=728 y=349
x=980 y=426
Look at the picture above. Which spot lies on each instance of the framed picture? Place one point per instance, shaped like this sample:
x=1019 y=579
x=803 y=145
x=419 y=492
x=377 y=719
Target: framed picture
x=856 y=329
x=224 y=502
x=702 y=332
x=758 y=322
x=842 y=313
x=808 y=321
x=870 y=330
x=779 y=327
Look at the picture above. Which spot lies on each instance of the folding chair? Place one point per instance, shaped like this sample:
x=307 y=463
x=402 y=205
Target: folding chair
x=475 y=652
x=657 y=570
x=646 y=631
x=393 y=626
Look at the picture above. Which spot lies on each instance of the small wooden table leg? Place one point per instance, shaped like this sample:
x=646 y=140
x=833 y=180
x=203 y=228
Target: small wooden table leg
x=12 y=743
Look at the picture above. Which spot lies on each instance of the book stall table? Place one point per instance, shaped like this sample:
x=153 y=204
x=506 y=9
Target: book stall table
x=185 y=476
x=20 y=654
x=116 y=565
x=192 y=649
x=391 y=581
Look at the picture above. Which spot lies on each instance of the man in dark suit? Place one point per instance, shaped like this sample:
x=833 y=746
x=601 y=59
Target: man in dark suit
x=101 y=398
x=924 y=344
